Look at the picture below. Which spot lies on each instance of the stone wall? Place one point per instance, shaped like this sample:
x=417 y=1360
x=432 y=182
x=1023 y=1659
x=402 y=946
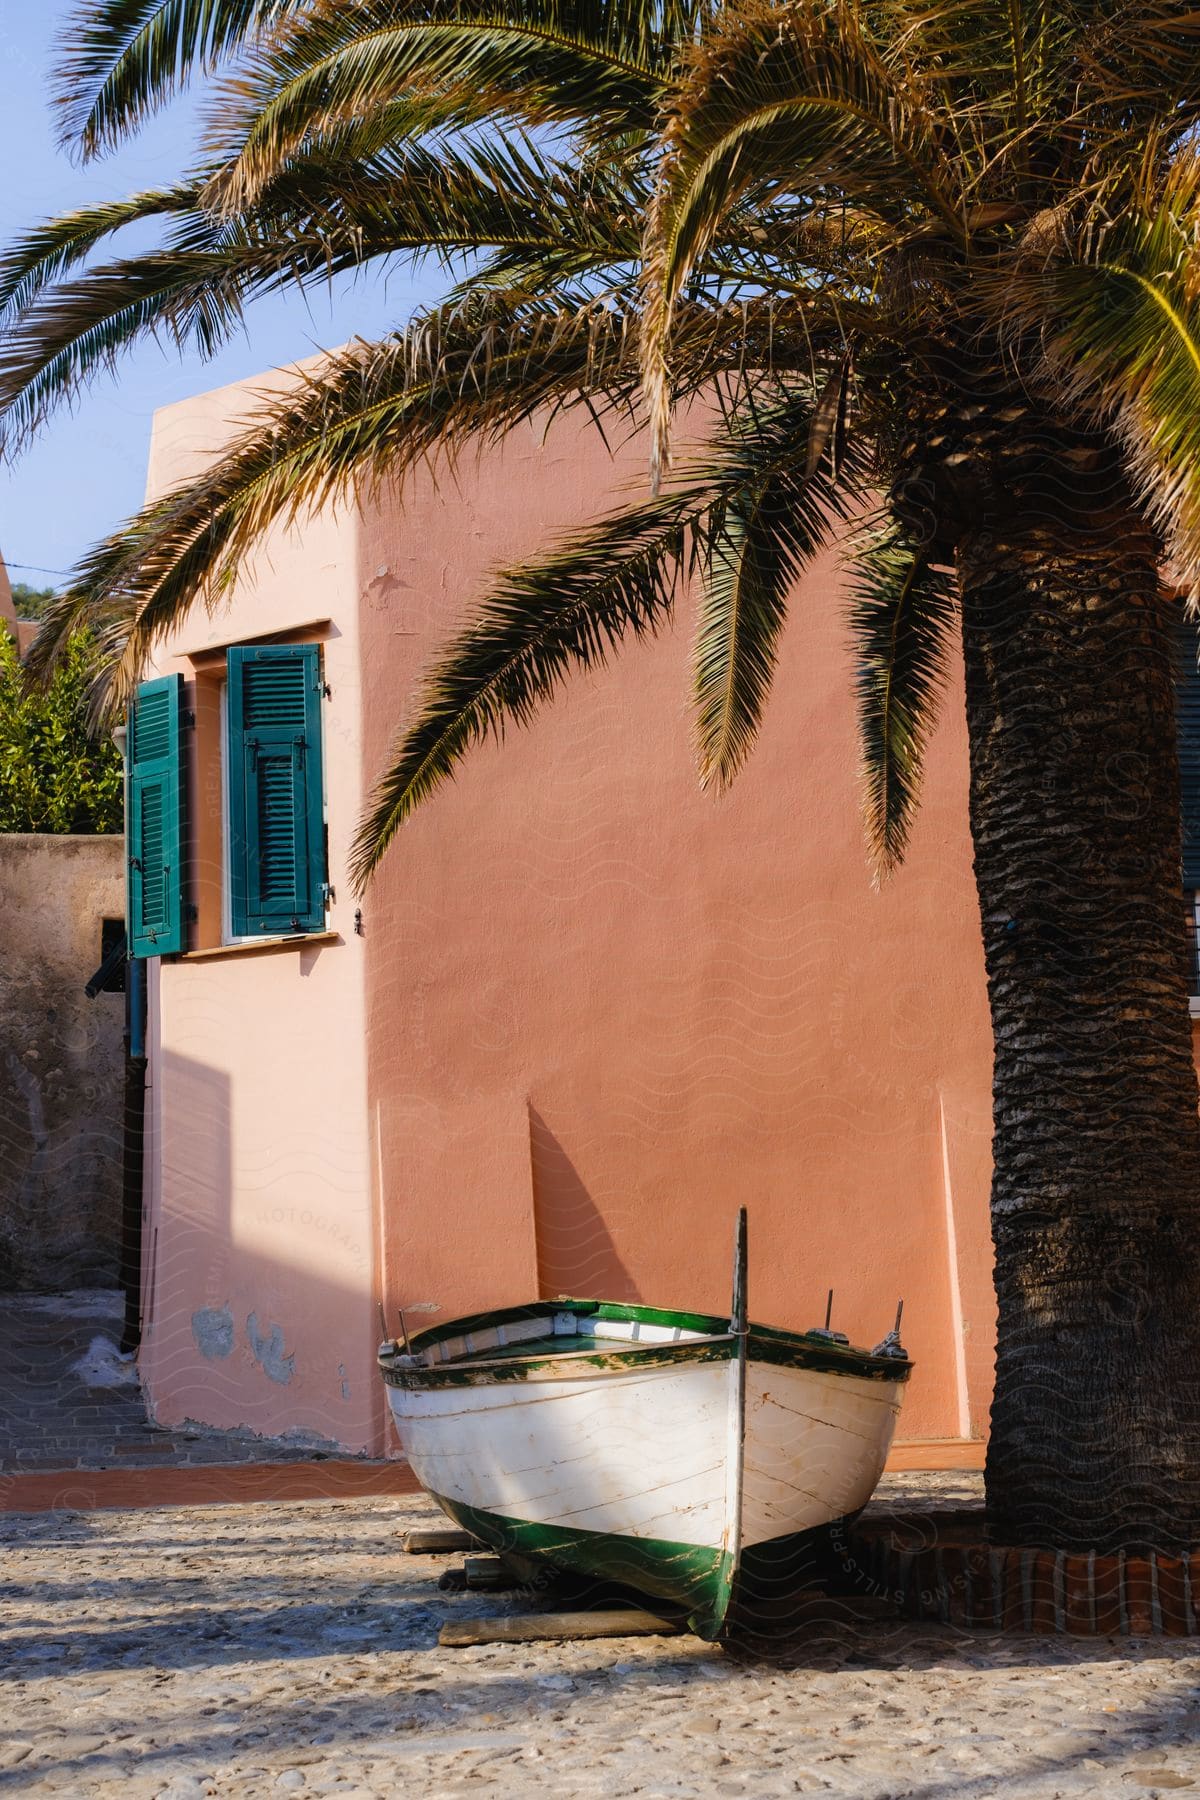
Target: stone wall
x=61 y=1065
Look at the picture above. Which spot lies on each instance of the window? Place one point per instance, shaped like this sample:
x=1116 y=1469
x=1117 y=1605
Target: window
x=269 y=752
x=156 y=819
x=276 y=838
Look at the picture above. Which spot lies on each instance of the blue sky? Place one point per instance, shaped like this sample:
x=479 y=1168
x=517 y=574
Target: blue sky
x=87 y=471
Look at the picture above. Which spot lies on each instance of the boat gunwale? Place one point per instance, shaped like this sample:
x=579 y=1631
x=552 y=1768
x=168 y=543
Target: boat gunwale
x=564 y=1365
x=713 y=1342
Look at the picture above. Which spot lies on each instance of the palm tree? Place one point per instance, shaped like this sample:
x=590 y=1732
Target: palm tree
x=937 y=264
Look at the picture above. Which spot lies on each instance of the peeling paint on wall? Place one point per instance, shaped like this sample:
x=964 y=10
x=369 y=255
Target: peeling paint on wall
x=212 y=1328
x=268 y=1351
x=345 y=1381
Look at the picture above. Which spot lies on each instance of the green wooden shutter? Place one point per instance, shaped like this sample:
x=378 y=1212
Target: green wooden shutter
x=156 y=801
x=1188 y=713
x=276 y=807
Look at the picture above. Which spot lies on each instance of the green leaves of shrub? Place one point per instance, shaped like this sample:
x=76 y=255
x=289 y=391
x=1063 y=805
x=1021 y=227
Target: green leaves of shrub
x=54 y=777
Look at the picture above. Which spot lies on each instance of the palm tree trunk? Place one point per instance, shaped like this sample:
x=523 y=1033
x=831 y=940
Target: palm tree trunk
x=1075 y=804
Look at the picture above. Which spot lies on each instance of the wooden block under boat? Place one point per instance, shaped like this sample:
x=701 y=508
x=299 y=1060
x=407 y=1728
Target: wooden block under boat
x=489 y=1572
x=547 y=1627
x=431 y=1541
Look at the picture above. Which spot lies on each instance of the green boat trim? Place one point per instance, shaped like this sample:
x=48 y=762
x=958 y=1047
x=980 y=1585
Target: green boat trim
x=562 y=1303
x=705 y=1583
x=696 y=1577
x=712 y=1341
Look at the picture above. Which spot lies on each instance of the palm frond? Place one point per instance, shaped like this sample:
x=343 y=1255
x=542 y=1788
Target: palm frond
x=796 y=100
x=1119 y=329
x=123 y=59
x=902 y=614
x=333 y=67
x=82 y=327
x=1141 y=63
x=507 y=195
x=759 y=539
x=45 y=253
x=544 y=62
x=407 y=201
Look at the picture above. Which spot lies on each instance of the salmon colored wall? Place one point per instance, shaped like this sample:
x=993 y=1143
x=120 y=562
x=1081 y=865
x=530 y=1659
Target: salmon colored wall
x=604 y=1008
x=261 y=1304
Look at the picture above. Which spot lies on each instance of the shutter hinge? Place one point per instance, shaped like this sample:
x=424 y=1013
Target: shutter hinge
x=326 y=690
x=191 y=912
x=328 y=894
x=188 y=719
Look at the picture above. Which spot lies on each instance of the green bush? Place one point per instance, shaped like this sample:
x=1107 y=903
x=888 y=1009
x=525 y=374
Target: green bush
x=54 y=776
x=30 y=602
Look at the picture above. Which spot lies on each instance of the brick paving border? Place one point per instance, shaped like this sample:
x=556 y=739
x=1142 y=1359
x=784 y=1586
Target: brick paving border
x=942 y=1568
x=90 y=1490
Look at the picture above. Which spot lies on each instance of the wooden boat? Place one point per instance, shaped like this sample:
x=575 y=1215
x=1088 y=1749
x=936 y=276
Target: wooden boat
x=662 y=1450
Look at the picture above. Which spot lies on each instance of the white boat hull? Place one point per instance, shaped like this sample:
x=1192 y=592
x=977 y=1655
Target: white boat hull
x=642 y=1454
x=668 y=1451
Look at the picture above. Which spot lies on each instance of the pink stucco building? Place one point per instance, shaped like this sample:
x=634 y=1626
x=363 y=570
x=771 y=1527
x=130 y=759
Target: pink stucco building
x=583 y=1012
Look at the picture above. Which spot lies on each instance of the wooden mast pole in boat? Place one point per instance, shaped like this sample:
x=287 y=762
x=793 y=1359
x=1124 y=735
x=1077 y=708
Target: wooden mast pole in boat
x=739 y=1330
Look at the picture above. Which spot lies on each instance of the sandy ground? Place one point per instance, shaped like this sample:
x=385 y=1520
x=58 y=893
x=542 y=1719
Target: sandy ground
x=269 y=1650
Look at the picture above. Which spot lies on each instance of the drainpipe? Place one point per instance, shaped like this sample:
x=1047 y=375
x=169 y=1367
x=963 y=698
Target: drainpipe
x=133 y=1156
x=133 y=1160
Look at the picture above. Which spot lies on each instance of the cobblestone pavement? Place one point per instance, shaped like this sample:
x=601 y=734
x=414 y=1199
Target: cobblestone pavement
x=292 y=1649
x=50 y=1418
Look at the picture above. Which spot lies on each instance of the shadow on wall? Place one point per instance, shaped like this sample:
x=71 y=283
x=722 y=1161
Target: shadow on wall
x=575 y=1249
x=260 y=1313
